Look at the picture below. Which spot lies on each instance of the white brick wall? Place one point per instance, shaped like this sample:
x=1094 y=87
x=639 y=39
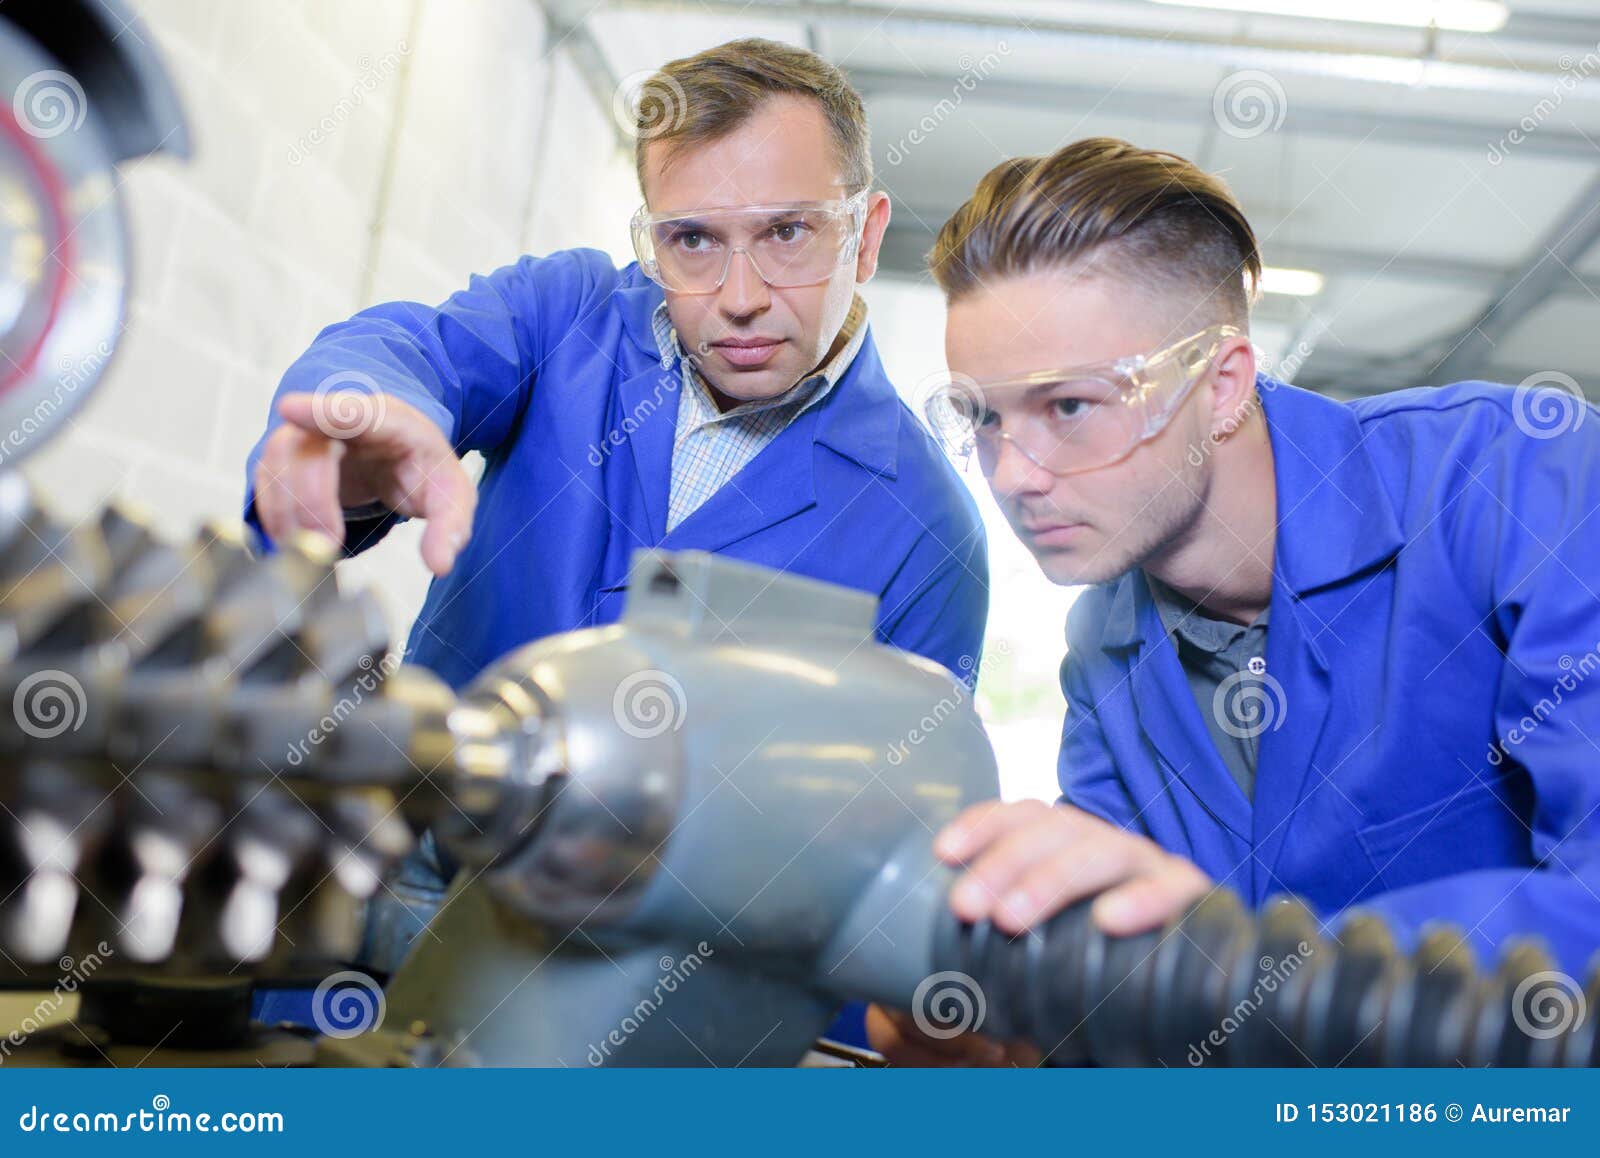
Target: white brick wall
x=280 y=224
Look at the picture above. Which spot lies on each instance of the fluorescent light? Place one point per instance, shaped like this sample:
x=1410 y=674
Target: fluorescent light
x=1451 y=15
x=1294 y=283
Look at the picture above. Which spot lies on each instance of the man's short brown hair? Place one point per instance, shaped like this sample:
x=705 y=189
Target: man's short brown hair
x=710 y=94
x=1102 y=205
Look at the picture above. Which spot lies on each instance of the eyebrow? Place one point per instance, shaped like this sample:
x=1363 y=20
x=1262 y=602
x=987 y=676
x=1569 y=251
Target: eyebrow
x=689 y=221
x=789 y=214
x=1055 y=378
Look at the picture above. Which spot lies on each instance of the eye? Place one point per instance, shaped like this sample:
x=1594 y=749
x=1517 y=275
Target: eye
x=789 y=232
x=690 y=240
x=1069 y=408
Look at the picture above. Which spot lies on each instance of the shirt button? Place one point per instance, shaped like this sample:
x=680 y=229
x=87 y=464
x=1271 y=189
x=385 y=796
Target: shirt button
x=1257 y=665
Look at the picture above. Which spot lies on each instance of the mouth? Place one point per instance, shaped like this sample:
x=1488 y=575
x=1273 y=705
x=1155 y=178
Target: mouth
x=1052 y=534
x=747 y=353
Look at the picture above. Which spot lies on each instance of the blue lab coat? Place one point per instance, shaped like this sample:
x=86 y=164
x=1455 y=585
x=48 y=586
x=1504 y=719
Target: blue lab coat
x=1433 y=664
x=550 y=369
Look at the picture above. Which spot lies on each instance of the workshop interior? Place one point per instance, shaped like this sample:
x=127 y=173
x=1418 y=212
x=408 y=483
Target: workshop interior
x=690 y=836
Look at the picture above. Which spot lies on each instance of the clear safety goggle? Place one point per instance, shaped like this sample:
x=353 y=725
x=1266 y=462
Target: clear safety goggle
x=1078 y=419
x=794 y=244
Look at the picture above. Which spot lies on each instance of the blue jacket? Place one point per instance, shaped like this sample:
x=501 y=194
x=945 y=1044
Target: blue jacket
x=1432 y=750
x=549 y=367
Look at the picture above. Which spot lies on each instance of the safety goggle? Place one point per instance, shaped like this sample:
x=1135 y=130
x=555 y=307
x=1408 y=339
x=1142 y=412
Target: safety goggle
x=794 y=244
x=1078 y=419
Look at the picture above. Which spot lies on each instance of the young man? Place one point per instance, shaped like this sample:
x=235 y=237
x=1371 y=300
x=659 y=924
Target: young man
x=722 y=394
x=1332 y=650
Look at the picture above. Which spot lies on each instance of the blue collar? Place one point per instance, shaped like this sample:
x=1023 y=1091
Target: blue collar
x=1335 y=519
x=860 y=418
x=636 y=298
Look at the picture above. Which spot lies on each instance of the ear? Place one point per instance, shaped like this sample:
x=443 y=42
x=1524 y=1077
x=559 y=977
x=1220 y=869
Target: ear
x=872 y=236
x=1233 y=385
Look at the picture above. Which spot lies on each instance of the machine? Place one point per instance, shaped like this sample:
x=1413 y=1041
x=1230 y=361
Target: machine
x=685 y=838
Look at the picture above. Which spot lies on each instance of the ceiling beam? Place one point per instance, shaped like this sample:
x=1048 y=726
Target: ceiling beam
x=1073 y=100
x=1548 y=270
x=568 y=28
x=1403 y=58
x=905 y=245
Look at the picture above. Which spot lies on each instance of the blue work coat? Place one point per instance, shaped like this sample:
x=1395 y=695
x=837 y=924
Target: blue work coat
x=549 y=368
x=1431 y=748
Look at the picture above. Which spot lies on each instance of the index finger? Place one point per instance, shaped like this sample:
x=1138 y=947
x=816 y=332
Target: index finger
x=340 y=414
x=449 y=502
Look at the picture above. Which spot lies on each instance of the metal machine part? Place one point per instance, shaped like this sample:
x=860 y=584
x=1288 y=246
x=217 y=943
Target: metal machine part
x=106 y=47
x=729 y=796
x=87 y=92
x=210 y=760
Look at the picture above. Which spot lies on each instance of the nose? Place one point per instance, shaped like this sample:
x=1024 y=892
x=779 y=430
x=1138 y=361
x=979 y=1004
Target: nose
x=744 y=292
x=1013 y=473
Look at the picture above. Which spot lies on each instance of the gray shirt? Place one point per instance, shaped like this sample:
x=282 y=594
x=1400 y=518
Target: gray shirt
x=1226 y=666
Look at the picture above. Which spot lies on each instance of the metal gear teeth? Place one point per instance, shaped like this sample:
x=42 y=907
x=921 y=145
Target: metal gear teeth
x=227 y=786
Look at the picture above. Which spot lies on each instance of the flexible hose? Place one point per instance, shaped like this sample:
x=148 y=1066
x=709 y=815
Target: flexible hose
x=1225 y=986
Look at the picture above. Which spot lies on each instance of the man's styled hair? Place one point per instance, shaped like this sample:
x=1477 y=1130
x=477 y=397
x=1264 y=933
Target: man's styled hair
x=710 y=94
x=1102 y=205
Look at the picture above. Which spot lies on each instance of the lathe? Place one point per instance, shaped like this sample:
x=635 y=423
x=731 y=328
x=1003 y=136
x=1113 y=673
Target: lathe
x=684 y=838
